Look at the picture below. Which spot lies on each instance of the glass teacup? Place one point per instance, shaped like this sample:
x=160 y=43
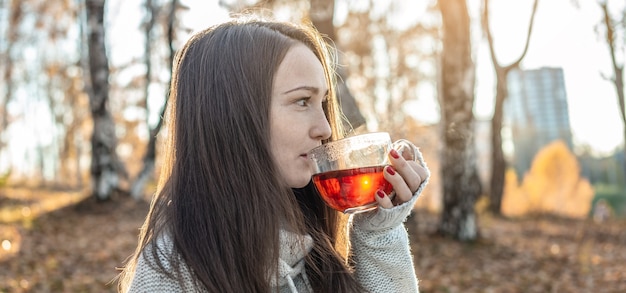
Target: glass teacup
x=348 y=172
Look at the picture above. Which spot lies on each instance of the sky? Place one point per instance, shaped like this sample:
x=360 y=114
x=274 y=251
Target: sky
x=563 y=37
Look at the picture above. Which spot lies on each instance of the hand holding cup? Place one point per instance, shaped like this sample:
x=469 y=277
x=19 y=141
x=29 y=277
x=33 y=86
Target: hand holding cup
x=351 y=172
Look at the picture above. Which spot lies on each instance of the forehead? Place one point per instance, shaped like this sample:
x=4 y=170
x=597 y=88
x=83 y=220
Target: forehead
x=300 y=67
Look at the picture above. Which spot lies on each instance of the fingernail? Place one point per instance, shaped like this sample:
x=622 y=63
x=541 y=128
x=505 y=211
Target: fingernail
x=380 y=193
x=394 y=154
x=391 y=171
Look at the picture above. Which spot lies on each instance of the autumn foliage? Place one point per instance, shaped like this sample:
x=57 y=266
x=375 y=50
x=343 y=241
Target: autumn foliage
x=552 y=186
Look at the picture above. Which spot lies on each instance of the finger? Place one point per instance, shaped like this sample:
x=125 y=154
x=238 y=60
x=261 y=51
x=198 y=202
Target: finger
x=383 y=200
x=422 y=171
x=406 y=169
x=403 y=192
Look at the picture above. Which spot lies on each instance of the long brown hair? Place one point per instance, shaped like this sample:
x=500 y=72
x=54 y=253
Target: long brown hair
x=220 y=198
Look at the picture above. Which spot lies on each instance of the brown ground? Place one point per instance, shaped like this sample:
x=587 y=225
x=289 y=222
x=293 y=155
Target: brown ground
x=77 y=249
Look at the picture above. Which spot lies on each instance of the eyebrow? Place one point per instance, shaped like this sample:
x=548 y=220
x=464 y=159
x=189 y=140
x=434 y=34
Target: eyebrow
x=304 y=87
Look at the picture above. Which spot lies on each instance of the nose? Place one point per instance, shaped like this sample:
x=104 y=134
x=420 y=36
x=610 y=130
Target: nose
x=321 y=128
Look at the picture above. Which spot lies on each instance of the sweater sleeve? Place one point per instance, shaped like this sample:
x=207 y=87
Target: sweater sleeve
x=380 y=248
x=147 y=278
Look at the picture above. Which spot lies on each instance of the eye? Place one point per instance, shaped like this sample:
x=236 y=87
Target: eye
x=303 y=101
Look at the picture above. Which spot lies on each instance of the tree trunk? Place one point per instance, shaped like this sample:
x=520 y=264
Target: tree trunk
x=498 y=163
x=618 y=69
x=461 y=185
x=149 y=158
x=105 y=165
x=321 y=14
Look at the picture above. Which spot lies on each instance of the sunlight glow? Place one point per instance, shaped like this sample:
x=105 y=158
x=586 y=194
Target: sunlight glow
x=555 y=249
x=6 y=244
x=40 y=203
x=11 y=241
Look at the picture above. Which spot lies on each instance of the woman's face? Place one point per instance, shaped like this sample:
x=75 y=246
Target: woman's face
x=297 y=119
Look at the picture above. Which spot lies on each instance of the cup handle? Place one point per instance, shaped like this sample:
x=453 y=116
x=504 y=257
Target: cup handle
x=404 y=146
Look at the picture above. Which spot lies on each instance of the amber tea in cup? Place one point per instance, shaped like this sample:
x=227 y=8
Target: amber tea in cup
x=348 y=172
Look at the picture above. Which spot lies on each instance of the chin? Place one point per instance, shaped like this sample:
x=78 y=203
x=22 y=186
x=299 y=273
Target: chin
x=299 y=182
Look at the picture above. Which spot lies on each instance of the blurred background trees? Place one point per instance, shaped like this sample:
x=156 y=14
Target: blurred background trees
x=396 y=58
x=167 y=33
x=44 y=106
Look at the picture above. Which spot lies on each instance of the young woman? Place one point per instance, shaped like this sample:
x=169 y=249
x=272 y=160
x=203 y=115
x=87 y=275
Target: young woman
x=235 y=209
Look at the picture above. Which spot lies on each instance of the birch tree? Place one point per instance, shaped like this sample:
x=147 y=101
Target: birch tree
x=461 y=185
x=106 y=168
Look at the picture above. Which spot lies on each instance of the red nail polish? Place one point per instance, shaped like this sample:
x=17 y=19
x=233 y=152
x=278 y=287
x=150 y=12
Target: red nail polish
x=394 y=154
x=380 y=193
x=391 y=171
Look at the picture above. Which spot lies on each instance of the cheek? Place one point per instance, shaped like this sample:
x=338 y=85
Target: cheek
x=284 y=136
x=277 y=142
x=280 y=145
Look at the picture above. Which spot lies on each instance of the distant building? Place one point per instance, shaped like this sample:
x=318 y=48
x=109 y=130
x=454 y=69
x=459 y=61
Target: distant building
x=536 y=113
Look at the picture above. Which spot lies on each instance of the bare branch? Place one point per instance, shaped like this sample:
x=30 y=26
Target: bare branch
x=530 y=30
x=487 y=31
